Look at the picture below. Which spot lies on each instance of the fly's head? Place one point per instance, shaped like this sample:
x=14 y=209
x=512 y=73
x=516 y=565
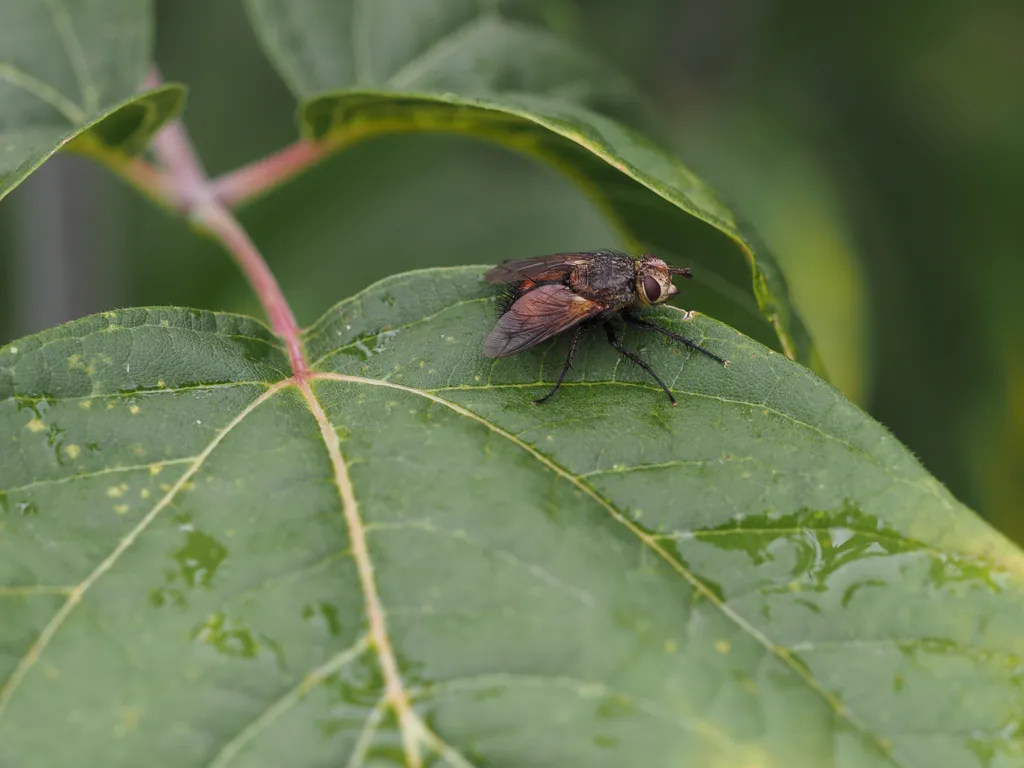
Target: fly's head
x=654 y=280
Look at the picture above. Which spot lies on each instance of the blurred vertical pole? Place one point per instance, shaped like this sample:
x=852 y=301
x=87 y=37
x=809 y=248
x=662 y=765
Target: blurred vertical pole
x=66 y=248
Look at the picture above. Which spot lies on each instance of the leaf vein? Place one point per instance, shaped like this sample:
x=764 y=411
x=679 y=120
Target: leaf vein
x=137 y=392
x=395 y=692
x=648 y=540
x=534 y=569
x=337 y=350
x=366 y=734
x=96 y=473
x=689 y=393
x=76 y=595
x=420 y=65
x=585 y=689
x=43 y=91
x=288 y=700
x=73 y=47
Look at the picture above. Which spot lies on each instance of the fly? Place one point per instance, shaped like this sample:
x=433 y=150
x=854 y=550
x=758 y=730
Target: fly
x=549 y=295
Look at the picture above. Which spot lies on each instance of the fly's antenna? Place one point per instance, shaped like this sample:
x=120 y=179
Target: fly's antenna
x=685 y=272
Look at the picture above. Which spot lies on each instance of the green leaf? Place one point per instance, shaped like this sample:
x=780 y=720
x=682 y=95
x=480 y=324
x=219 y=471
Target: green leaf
x=203 y=559
x=460 y=66
x=68 y=75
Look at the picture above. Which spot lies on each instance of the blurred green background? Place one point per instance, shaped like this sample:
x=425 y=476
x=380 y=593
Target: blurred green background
x=878 y=147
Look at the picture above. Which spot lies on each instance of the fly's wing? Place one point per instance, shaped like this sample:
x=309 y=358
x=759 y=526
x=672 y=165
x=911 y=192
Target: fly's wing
x=538 y=315
x=537 y=269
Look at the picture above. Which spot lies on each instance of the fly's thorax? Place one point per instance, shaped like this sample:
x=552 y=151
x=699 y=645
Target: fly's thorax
x=609 y=278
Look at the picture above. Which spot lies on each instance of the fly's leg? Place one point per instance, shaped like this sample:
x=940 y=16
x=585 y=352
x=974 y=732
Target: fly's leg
x=614 y=341
x=568 y=364
x=633 y=320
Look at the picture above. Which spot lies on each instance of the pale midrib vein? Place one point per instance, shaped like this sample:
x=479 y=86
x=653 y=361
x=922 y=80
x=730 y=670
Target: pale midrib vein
x=288 y=700
x=44 y=92
x=647 y=539
x=97 y=473
x=77 y=593
x=395 y=693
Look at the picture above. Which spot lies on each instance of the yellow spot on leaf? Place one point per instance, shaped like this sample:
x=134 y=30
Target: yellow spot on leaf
x=129 y=719
x=670 y=646
x=144 y=493
x=73 y=451
x=121 y=509
x=133 y=409
x=36 y=425
x=116 y=491
x=86 y=404
x=722 y=646
x=161 y=384
x=155 y=469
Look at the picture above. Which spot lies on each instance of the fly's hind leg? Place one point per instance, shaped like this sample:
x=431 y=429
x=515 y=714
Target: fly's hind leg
x=613 y=339
x=633 y=320
x=565 y=368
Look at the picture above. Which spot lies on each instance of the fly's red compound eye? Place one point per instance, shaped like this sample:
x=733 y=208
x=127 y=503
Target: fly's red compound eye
x=652 y=289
